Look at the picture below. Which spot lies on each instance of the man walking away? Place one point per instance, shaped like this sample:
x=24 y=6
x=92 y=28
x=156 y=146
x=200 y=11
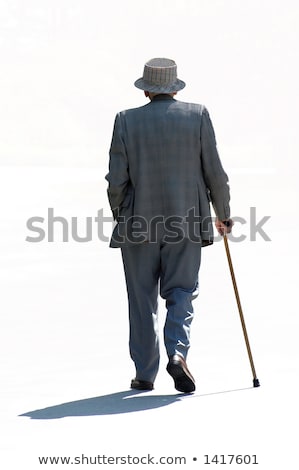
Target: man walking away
x=164 y=172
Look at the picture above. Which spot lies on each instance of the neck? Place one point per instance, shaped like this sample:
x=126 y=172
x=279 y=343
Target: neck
x=150 y=95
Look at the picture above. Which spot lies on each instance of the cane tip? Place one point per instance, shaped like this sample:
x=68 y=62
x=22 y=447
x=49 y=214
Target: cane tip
x=256 y=383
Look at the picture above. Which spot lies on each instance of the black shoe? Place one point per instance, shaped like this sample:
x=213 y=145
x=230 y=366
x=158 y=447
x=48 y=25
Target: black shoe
x=183 y=380
x=141 y=384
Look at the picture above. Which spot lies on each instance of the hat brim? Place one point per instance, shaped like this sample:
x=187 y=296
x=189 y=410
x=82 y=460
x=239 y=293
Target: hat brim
x=149 y=86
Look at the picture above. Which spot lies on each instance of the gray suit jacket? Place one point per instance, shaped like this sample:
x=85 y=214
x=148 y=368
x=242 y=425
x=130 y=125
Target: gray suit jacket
x=164 y=171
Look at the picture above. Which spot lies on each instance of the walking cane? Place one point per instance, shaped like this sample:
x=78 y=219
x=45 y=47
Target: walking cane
x=256 y=382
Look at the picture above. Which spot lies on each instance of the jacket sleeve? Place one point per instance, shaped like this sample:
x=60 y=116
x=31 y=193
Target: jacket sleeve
x=216 y=179
x=118 y=176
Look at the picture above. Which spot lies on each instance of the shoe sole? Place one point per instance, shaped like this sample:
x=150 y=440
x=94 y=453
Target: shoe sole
x=142 y=388
x=182 y=381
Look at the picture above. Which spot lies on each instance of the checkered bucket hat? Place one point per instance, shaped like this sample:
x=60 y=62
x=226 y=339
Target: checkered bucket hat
x=160 y=76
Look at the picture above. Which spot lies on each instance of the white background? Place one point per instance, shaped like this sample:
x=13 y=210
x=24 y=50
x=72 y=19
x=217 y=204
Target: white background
x=67 y=67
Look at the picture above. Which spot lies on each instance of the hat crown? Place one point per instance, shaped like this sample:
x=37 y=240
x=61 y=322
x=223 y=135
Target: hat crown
x=160 y=71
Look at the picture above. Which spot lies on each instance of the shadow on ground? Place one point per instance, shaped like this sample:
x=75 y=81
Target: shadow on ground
x=114 y=403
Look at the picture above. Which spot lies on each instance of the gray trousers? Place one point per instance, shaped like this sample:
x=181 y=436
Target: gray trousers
x=173 y=267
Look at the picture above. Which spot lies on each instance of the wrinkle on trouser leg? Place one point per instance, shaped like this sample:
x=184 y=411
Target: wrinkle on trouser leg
x=180 y=265
x=179 y=317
